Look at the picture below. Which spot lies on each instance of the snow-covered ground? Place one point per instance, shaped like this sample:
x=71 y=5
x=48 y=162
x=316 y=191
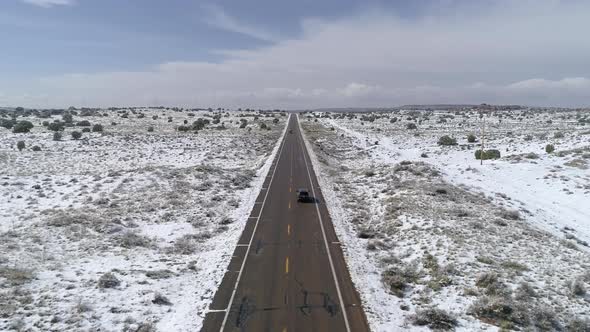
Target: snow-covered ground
x=426 y=227
x=130 y=228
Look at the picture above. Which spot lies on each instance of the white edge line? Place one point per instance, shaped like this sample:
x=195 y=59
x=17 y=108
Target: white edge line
x=345 y=316
x=233 y=294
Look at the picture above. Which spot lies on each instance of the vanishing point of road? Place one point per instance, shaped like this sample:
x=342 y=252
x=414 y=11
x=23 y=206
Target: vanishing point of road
x=287 y=273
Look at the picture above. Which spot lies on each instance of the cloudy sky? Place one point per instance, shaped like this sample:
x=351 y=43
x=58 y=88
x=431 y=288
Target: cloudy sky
x=293 y=54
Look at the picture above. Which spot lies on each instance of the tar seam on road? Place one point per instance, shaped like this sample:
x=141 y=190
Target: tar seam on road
x=233 y=294
x=324 y=232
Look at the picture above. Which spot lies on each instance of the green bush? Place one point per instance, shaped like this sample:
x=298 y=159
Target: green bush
x=57 y=136
x=488 y=154
x=84 y=123
x=558 y=134
x=85 y=130
x=97 y=128
x=76 y=135
x=200 y=124
x=183 y=128
x=471 y=138
x=36 y=148
x=549 y=148
x=56 y=126
x=67 y=118
x=20 y=145
x=22 y=127
x=263 y=125
x=8 y=124
x=150 y=129
x=411 y=126
x=447 y=140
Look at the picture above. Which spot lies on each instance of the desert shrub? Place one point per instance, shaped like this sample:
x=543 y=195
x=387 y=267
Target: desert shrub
x=531 y=155
x=411 y=126
x=108 y=280
x=36 y=148
x=471 y=138
x=524 y=292
x=397 y=279
x=56 y=126
x=57 y=136
x=434 y=318
x=200 y=124
x=486 y=279
x=45 y=123
x=83 y=123
x=491 y=284
x=76 y=134
x=528 y=138
x=159 y=274
x=22 y=127
x=424 y=155
x=510 y=214
x=545 y=319
x=499 y=310
x=549 y=148
x=85 y=130
x=82 y=307
x=275 y=120
x=131 y=239
x=242 y=181
x=160 y=299
x=487 y=154
x=150 y=129
x=67 y=118
x=146 y=327
x=243 y=123
x=185 y=245
x=8 y=124
x=365 y=233
x=393 y=120
x=447 y=140
x=97 y=128
x=183 y=128
x=16 y=276
x=578 y=325
x=20 y=145
x=558 y=134
x=577 y=287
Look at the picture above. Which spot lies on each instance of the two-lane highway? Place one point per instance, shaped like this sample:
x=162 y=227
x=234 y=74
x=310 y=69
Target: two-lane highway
x=288 y=272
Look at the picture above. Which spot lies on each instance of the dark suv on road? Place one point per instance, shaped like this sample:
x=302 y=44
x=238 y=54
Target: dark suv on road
x=304 y=196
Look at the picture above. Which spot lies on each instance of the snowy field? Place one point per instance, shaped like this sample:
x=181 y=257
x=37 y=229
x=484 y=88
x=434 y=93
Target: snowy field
x=131 y=226
x=436 y=240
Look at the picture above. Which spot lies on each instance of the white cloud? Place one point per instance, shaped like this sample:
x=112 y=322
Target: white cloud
x=374 y=59
x=215 y=16
x=49 y=3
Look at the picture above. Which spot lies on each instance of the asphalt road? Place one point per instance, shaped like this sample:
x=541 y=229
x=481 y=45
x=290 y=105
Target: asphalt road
x=287 y=272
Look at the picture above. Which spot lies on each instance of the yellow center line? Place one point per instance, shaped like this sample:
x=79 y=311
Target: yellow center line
x=289 y=229
x=287 y=265
x=289 y=204
x=285 y=329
